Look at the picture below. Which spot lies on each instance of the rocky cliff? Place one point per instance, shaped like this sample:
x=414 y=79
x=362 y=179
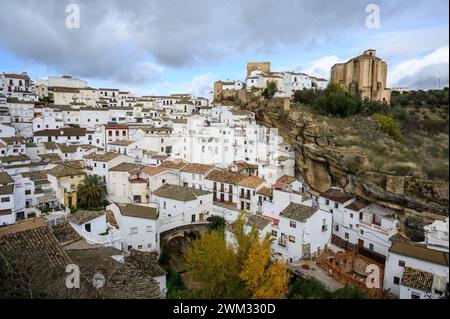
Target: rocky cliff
x=418 y=201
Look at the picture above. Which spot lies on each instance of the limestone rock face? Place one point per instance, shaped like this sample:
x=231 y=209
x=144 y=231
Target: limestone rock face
x=418 y=201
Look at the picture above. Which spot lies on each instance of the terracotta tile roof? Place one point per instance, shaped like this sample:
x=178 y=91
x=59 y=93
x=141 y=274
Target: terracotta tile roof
x=251 y=182
x=14 y=158
x=146 y=261
x=197 y=168
x=244 y=165
x=83 y=216
x=52 y=157
x=62 y=171
x=422 y=253
x=124 y=280
x=298 y=212
x=36 y=175
x=265 y=191
x=80 y=164
x=172 y=165
x=50 y=145
x=105 y=157
x=67 y=131
x=357 y=205
x=139 y=211
x=258 y=221
x=285 y=179
x=152 y=170
x=179 y=193
x=337 y=196
x=417 y=279
x=126 y=167
x=5 y=178
x=67 y=148
x=65 y=233
x=33 y=238
x=121 y=143
x=225 y=177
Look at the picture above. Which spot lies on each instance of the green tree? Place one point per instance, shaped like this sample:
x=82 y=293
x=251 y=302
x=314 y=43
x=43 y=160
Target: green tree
x=336 y=101
x=216 y=223
x=91 y=192
x=350 y=292
x=308 y=288
x=270 y=90
x=389 y=126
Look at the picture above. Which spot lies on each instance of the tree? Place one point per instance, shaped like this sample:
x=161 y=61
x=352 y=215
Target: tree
x=241 y=270
x=212 y=264
x=91 y=192
x=350 y=292
x=216 y=223
x=337 y=101
x=270 y=90
x=308 y=288
x=389 y=126
x=263 y=278
x=244 y=240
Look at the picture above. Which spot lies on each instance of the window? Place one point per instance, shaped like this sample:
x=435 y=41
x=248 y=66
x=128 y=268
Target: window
x=293 y=224
x=274 y=233
x=327 y=202
x=351 y=215
x=336 y=205
x=401 y=263
x=336 y=227
x=396 y=280
x=362 y=232
x=5 y=199
x=133 y=230
x=292 y=239
x=140 y=247
x=149 y=229
x=149 y=245
x=130 y=247
x=347 y=236
x=28 y=192
x=370 y=246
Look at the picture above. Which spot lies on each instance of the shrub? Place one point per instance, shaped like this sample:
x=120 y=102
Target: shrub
x=308 y=288
x=389 y=126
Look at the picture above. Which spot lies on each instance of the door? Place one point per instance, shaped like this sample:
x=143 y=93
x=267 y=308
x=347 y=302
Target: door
x=360 y=243
x=242 y=205
x=200 y=217
x=193 y=218
x=222 y=197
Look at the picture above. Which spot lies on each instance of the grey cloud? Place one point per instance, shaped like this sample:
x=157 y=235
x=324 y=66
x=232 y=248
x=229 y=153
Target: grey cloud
x=117 y=39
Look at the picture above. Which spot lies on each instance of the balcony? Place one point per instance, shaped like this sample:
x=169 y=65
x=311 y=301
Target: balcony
x=224 y=204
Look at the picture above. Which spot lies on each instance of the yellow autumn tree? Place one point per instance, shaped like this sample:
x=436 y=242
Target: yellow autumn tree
x=262 y=277
x=212 y=264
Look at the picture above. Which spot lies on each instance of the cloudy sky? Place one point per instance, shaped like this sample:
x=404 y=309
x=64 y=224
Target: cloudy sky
x=178 y=46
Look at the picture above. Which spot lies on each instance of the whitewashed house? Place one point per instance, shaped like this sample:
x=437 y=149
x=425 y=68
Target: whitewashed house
x=415 y=272
x=100 y=163
x=7 y=213
x=302 y=232
x=437 y=235
x=126 y=185
x=138 y=225
x=181 y=206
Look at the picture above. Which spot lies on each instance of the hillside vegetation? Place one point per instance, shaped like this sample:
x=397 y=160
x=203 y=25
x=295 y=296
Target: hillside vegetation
x=410 y=137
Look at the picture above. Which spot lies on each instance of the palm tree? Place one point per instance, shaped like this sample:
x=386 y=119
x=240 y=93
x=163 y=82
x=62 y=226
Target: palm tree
x=91 y=192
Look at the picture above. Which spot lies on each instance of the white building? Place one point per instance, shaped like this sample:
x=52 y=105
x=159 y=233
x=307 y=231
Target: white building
x=302 y=232
x=7 y=213
x=139 y=226
x=181 y=206
x=414 y=272
x=436 y=235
